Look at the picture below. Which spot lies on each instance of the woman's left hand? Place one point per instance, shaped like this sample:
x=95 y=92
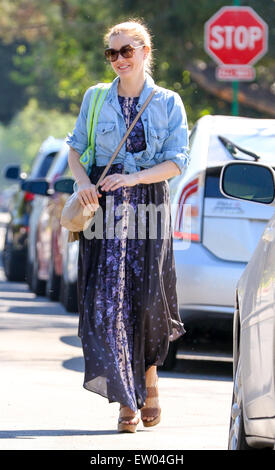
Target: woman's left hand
x=115 y=181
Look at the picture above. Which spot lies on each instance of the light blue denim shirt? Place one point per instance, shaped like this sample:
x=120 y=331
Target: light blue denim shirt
x=164 y=122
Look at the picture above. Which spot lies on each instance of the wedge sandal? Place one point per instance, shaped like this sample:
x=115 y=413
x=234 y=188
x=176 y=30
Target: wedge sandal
x=151 y=411
x=126 y=427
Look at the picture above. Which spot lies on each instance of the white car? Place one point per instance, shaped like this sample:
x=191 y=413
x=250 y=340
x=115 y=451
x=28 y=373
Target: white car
x=214 y=237
x=252 y=421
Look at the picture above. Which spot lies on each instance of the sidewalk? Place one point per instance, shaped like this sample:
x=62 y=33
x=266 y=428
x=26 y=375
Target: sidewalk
x=44 y=406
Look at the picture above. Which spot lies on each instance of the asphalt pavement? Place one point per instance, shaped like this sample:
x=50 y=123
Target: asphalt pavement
x=44 y=405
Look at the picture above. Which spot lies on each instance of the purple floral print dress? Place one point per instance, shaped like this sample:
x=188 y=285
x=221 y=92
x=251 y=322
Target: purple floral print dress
x=127 y=300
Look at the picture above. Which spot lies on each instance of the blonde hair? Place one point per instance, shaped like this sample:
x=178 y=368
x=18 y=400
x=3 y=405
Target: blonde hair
x=139 y=31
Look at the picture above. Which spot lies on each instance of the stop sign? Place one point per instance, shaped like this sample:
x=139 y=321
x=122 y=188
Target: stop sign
x=236 y=36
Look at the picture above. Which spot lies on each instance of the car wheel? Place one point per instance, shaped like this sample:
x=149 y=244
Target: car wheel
x=237 y=439
x=13 y=261
x=38 y=286
x=171 y=357
x=29 y=273
x=68 y=295
x=53 y=283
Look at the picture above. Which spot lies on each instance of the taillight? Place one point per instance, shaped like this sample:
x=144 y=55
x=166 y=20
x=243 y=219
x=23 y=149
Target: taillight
x=187 y=220
x=28 y=196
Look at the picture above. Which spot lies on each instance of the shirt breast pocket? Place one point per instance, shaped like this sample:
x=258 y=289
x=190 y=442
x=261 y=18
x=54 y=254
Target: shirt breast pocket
x=105 y=137
x=157 y=138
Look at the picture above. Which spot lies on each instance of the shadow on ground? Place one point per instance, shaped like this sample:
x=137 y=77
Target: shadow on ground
x=184 y=369
x=71 y=340
x=33 y=433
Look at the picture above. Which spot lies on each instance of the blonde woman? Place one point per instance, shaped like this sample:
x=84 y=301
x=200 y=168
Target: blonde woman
x=127 y=285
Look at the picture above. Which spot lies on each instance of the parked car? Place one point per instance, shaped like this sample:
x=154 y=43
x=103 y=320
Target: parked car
x=69 y=253
x=5 y=197
x=20 y=206
x=68 y=282
x=252 y=421
x=42 y=242
x=50 y=257
x=214 y=237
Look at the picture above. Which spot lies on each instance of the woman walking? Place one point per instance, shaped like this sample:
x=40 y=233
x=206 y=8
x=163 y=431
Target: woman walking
x=128 y=310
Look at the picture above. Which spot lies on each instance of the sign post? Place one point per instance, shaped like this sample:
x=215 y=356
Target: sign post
x=235 y=84
x=235 y=37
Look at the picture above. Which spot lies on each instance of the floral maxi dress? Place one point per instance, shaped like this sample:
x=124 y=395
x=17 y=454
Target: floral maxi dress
x=127 y=300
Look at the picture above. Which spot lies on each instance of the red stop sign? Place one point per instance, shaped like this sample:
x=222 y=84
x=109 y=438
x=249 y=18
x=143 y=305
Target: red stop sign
x=236 y=36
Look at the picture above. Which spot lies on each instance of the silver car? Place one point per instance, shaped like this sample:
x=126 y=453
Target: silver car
x=252 y=421
x=215 y=237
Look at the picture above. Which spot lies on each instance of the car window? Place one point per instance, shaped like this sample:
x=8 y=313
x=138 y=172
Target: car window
x=212 y=183
x=46 y=164
x=60 y=164
x=260 y=141
x=42 y=164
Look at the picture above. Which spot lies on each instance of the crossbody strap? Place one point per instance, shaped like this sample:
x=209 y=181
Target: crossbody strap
x=125 y=137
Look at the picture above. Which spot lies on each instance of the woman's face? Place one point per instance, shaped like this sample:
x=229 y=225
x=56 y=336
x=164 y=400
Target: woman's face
x=131 y=66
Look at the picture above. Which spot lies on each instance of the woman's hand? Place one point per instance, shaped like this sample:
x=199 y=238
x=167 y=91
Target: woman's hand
x=115 y=181
x=88 y=196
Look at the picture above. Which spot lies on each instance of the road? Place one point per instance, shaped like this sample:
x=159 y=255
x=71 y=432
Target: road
x=44 y=406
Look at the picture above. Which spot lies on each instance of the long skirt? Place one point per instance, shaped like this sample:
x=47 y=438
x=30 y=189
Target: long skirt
x=127 y=299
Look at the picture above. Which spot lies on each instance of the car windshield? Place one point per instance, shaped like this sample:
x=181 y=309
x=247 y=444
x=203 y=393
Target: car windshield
x=42 y=164
x=258 y=141
x=60 y=163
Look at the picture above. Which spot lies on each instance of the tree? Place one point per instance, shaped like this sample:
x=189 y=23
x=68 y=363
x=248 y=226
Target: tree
x=12 y=92
x=182 y=63
x=65 y=51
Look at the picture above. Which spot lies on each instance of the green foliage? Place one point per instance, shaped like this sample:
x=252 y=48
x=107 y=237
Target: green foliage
x=12 y=90
x=59 y=47
x=65 y=55
x=178 y=30
x=21 y=140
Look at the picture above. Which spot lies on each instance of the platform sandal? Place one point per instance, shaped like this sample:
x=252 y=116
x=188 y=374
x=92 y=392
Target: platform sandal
x=151 y=411
x=126 y=427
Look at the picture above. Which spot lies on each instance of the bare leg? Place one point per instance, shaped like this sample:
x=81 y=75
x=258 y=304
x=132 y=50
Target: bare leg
x=150 y=376
x=151 y=381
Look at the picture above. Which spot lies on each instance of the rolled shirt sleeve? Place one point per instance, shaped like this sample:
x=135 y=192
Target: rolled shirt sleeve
x=78 y=140
x=176 y=145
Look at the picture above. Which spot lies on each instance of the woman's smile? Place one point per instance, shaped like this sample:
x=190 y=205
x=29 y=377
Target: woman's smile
x=123 y=67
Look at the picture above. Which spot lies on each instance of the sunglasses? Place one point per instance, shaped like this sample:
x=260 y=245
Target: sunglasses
x=126 y=51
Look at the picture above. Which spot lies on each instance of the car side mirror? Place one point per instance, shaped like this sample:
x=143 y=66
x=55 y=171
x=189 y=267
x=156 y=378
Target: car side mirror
x=250 y=181
x=64 y=185
x=12 y=172
x=37 y=186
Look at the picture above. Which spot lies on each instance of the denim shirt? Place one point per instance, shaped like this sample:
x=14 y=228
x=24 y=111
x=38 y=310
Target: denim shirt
x=164 y=122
